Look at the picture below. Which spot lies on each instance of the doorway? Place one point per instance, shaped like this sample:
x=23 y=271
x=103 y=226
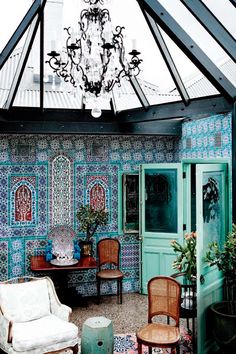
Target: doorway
x=192 y=196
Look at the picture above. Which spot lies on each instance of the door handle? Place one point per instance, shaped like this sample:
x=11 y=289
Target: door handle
x=202 y=279
x=140 y=238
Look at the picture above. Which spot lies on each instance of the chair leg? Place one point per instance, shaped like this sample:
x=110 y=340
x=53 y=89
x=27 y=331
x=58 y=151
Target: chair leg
x=98 y=291
x=75 y=349
x=149 y=350
x=120 y=291
x=193 y=333
x=177 y=349
x=139 y=348
x=188 y=327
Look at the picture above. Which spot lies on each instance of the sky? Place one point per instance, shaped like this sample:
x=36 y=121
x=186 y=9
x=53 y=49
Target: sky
x=130 y=16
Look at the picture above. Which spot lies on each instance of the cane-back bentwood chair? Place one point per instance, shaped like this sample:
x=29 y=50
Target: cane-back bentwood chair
x=108 y=252
x=163 y=299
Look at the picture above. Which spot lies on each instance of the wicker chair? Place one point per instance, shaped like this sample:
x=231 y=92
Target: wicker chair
x=32 y=319
x=163 y=299
x=108 y=252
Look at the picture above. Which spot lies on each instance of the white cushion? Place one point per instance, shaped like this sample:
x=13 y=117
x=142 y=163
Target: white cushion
x=27 y=301
x=42 y=333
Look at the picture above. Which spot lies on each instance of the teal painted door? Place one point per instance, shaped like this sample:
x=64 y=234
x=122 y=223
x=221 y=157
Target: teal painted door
x=161 y=218
x=212 y=225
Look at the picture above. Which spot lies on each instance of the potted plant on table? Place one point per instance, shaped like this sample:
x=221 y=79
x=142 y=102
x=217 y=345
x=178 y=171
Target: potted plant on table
x=224 y=312
x=90 y=219
x=186 y=259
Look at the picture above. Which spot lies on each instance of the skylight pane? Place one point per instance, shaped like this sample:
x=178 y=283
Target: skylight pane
x=225 y=12
x=195 y=30
x=11 y=14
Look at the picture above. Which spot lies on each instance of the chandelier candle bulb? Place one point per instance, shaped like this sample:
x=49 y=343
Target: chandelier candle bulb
x=53 y=45
x=134 y=44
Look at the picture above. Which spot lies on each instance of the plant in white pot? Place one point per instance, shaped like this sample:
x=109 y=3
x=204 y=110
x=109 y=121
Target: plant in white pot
x=90 y=219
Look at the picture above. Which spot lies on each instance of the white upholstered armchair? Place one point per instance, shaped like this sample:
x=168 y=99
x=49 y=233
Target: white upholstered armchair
x=32 y=319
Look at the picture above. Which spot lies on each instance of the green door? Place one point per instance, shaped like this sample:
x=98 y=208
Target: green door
x=211 y=225
x=161 y=218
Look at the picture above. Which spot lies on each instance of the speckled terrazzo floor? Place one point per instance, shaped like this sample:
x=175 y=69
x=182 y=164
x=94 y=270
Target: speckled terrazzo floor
x=126 y=318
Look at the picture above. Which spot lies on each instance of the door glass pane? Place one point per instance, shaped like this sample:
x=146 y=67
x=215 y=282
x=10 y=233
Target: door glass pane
x=161 y=200
x=131 y=203
x=213 y=207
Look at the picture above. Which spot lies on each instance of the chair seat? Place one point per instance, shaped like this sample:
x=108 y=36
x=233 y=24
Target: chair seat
x=42 y=333
x=158 y=333
x=110 y=274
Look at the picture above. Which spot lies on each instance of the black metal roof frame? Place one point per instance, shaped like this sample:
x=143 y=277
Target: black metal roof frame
x=155 y=120
x=155 y=15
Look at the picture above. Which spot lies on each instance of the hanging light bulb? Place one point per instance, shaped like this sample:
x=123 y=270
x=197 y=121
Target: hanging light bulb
x=96 y=112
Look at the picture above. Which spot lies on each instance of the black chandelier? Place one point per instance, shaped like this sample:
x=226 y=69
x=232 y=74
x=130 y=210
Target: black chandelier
x=94 y=57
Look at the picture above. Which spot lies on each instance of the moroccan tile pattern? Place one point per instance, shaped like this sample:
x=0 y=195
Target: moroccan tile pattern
x=92 y=158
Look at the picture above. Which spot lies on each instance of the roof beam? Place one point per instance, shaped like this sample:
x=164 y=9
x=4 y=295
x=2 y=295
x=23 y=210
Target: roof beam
x=19 y=32
x=198 y=107
x=213 y=26
x=167 y=57
x=43 y=126
x=24 y=57
x=189 y=47
x=233 y=2
x=139 y=92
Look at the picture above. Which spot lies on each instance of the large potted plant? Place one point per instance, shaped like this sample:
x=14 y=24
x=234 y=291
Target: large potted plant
x=90 y=219
x=224 y=312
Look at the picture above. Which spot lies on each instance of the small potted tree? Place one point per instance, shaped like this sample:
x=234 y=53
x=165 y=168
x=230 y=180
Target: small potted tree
x=224 y=312
x=90 y=219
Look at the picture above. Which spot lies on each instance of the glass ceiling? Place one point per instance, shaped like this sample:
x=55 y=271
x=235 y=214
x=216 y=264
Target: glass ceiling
x=155 y=78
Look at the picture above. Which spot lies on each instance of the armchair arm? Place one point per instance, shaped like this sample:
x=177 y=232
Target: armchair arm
x=63 y=312
x=5 y=330
x=57 y=308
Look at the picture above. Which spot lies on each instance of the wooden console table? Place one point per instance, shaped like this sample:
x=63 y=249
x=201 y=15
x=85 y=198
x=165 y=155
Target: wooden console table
x=39 y=264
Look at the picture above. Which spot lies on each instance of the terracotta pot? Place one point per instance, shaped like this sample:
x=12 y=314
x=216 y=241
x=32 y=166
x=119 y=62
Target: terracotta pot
x=86 y=248
x=224 y=325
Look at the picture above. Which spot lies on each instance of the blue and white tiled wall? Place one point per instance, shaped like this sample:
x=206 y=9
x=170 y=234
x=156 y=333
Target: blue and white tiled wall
x=56 y=172
x=59 y=171
x=207 y=138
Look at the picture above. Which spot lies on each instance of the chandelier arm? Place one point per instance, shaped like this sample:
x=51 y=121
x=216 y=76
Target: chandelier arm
x=94 y=2
x=54 y=64
x=104 y=16
x=82 y=23
x=64 y=72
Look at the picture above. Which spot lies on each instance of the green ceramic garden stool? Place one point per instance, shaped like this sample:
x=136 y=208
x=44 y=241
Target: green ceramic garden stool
x=97 y=336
